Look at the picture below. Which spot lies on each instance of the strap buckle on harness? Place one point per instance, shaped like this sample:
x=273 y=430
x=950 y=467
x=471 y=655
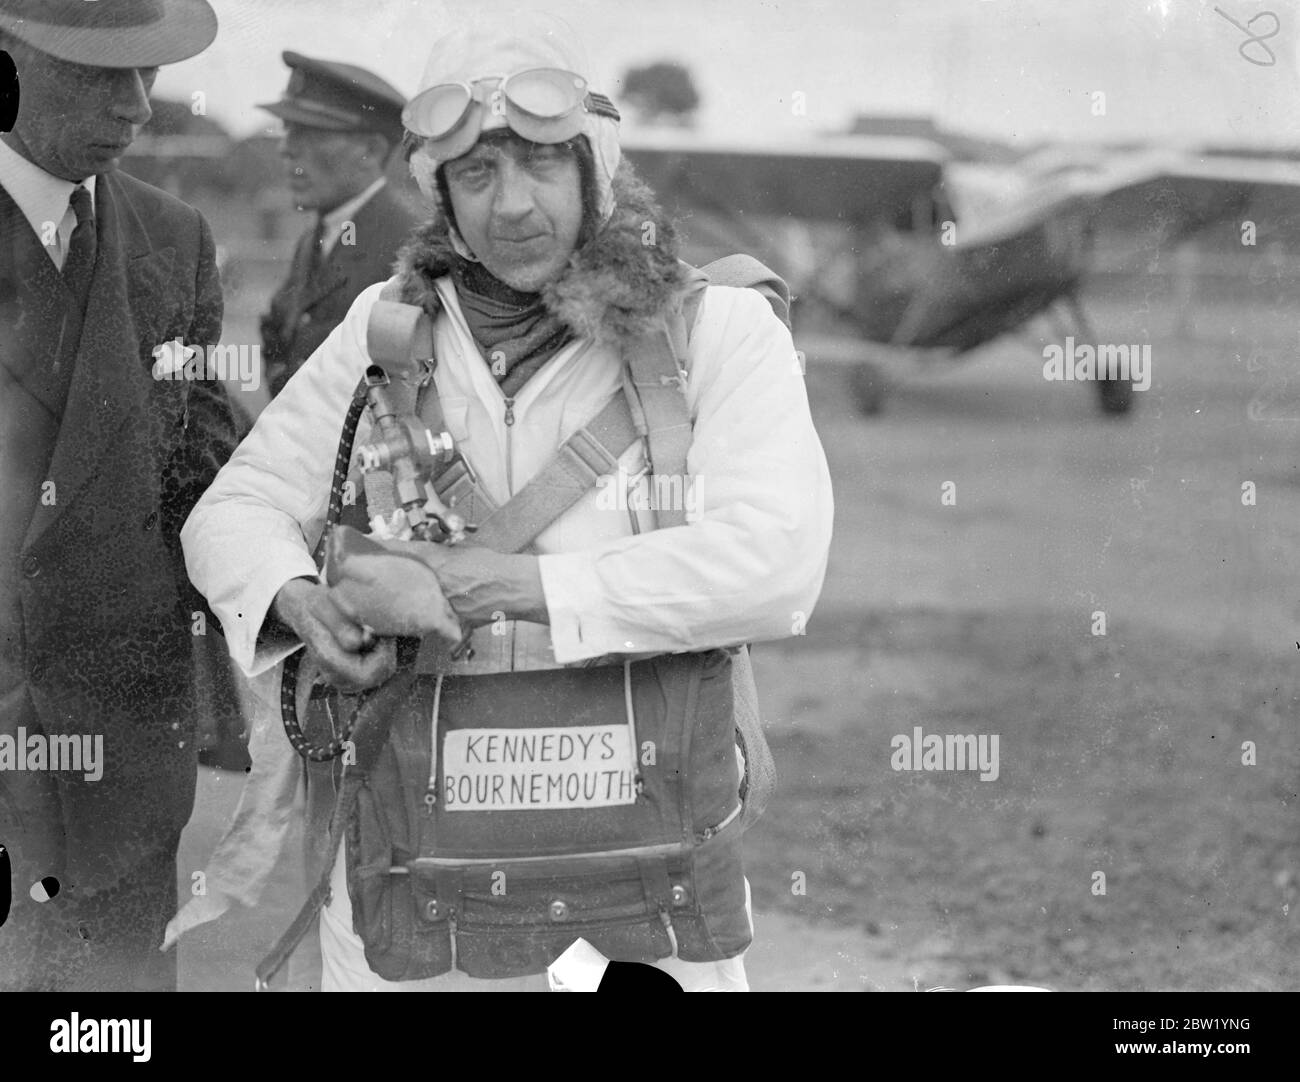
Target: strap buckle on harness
x=681 y=378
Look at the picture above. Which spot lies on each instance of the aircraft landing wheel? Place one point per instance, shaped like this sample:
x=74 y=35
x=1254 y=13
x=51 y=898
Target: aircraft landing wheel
x=867 y=384
x=1116 y=395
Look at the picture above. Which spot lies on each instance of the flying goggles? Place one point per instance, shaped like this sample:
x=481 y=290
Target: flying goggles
x=542 y=105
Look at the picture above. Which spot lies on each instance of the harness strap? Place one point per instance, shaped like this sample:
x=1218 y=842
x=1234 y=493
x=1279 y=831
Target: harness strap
x=590 y=453
x=587 y=455
x=279 y=954
x=401 y=332
x=658 y=365
x=659 y=380
x=744 y=271
x=653 y=407
x=457 y=486
x=659 y=377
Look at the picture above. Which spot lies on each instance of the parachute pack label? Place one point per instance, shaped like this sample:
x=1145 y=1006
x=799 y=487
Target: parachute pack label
x=582 y=766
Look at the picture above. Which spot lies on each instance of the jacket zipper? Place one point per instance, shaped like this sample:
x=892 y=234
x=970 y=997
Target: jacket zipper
x=510 y=457
x=654 y=850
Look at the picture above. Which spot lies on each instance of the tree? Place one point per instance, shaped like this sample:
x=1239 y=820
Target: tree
x=661 y=93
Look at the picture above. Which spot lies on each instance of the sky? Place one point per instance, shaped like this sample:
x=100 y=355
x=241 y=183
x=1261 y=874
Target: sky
x=1180 y=71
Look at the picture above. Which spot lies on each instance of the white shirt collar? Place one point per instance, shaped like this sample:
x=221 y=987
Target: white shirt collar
x=345 y=212
x=41 y=196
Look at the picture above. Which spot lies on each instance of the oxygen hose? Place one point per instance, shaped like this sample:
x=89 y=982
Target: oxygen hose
x=406 y=455
x=332 y=749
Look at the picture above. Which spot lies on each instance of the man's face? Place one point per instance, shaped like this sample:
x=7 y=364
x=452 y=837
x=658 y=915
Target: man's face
x=518 y=205
x=327 y=168
x=75 y=121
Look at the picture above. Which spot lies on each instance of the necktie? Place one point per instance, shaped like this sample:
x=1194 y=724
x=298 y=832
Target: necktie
x=317 y=254
x=80 y=263
x=304 y=290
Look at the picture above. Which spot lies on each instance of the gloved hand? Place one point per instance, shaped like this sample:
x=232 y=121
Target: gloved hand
x=387 y=587
x=345 y=652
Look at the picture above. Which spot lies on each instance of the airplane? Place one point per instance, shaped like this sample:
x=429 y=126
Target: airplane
x=922 y=254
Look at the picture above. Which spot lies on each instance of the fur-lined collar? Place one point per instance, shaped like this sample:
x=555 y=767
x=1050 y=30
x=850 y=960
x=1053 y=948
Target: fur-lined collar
x=616 y=286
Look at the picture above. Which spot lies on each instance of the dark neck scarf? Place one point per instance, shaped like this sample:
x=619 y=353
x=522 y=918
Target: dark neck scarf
x=511 y=328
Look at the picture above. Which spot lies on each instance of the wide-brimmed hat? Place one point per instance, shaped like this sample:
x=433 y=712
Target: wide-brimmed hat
x=112 y=33
x=335 y=96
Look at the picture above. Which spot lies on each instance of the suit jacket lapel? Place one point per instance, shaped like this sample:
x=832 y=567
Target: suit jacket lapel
x=301 y=286
x=373 y=221
x=344 y=259
x=331 y=276
x=110 y=386
x=34 y=297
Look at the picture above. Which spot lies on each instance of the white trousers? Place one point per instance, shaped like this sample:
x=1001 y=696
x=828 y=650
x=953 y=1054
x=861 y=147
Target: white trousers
x=345 y=969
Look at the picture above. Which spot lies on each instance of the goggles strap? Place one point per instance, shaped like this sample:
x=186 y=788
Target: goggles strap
x=601 y=106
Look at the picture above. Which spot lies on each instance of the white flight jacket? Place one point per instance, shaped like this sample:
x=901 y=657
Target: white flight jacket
x=748 y=565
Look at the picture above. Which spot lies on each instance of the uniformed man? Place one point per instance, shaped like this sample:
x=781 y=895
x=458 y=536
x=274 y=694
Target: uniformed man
x=341 y=126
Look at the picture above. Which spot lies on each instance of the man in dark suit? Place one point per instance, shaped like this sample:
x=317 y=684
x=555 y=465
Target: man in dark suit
x=100 y=463
x=341 y=126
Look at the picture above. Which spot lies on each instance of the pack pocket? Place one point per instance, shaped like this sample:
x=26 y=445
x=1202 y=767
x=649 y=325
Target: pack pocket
x=404 y=939
x=712 y=741
x=513 y=919
x=369 y=857
x=493 y=955
x=518 y=920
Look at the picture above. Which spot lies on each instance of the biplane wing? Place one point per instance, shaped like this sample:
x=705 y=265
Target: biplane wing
x=1154 y=198
x=1006 y=267
x=852 y=179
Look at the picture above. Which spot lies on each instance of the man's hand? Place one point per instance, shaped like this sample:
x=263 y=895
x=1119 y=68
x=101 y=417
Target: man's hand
x=346 y=654
x=389 y=589
x=481 y=583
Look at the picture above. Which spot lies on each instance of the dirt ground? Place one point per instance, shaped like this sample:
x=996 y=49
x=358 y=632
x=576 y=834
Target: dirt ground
x=1119 y=754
